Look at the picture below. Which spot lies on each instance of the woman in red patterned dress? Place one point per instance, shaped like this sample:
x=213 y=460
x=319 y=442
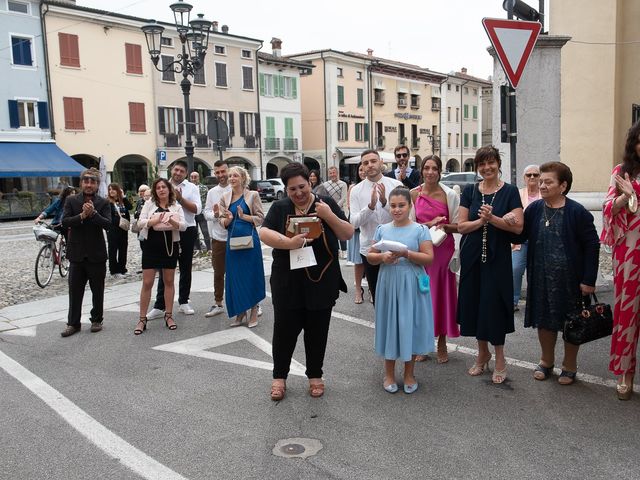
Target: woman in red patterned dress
x=622 y=232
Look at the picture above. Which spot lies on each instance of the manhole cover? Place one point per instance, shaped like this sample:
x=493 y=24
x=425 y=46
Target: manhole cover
x=297 y=447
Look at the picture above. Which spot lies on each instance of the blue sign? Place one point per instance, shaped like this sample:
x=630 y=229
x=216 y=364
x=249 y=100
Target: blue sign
x=161 y=155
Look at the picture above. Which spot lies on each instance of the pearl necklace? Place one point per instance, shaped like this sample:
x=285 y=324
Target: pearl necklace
x=483 y=256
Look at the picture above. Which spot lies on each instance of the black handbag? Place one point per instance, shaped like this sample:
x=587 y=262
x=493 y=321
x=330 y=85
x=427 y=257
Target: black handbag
x=588 y=323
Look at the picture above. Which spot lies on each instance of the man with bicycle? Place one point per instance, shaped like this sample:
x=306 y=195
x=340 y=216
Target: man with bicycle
x=86 y=215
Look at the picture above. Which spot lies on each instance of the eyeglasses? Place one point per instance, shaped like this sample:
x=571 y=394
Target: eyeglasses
x=402 y=155
x=89 y=179
x=532 y=175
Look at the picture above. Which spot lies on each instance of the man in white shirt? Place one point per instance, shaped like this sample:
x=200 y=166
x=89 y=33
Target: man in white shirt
x=218 y=235
x=369 y=208
x=337 y=189
x=188 y=196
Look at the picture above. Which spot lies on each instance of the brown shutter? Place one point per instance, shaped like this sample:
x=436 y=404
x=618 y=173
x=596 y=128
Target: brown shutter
x=133 y=53
x=68 y=112
x=136 y=117
x=78 y=114
x=69 y=50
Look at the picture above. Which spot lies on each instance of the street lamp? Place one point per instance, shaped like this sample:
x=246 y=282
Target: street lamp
x=194 y=37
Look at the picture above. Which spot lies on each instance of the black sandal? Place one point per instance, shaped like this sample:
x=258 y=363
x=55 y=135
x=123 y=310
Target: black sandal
x=141 y=326
x=570 y=376
x=545 y=371
x=168 y=317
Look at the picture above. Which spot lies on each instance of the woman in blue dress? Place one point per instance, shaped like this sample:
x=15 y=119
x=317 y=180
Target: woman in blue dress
x=241 y=213
x=404 y=319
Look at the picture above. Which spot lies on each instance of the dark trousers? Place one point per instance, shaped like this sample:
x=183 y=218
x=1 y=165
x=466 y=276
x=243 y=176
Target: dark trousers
x=204 y=227
x=286 y=328
x=185 y=259
x=343 y=245
x=79 y=274
x=218 y=257
x=118 y=242
x=371 y=274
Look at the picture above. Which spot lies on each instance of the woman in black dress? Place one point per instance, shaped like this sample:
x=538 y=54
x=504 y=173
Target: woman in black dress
x=117 y=237
x=160 y=222
x=490 y=212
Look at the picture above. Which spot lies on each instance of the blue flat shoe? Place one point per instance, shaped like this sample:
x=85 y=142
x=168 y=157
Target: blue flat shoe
x=409 y=389
x=393 y=388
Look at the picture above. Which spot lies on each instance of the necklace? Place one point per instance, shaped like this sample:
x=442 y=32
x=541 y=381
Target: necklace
x=305 y=209
x=485 y=227
x=547 y=221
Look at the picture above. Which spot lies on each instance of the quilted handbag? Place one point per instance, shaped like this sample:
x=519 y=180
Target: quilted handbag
x=585 y=324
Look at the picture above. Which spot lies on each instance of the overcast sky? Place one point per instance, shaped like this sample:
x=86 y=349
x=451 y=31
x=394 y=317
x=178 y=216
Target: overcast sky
x=443 y=35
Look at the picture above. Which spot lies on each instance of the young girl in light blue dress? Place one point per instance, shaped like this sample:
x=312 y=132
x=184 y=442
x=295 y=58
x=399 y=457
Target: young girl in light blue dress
x=404 y=320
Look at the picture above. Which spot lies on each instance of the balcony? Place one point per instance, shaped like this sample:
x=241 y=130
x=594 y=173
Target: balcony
x=202 y=141
x=402 y=141
x=250 y=142
x=380 y=142
x=415 y=143
x=435 y=104
x=415 y=101
x=402 y=102
x=171 y=140
x=378 y=97
x=436 y=145
x=272 y=144
x=290 y=144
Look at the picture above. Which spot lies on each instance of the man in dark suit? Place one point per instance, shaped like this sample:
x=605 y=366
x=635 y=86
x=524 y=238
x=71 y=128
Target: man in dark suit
x=86 y=215
x=410 y=177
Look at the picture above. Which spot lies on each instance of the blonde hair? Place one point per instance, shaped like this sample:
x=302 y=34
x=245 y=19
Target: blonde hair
x=244 y=175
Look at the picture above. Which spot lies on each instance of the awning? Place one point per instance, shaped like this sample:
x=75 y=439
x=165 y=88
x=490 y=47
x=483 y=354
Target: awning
x=350 y=152
x=36 y=160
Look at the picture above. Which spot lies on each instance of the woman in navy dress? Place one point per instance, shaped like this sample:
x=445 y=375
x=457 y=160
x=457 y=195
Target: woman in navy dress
x=490 y=212
x=241 y=213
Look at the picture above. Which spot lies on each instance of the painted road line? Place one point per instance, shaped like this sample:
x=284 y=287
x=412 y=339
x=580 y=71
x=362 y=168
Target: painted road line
x=107 y=441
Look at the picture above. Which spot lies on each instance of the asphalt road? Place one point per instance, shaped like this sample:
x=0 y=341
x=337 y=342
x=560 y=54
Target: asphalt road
x=115 y=406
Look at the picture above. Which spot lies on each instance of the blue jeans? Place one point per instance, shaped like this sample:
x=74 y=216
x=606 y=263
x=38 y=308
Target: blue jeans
x=519 y=264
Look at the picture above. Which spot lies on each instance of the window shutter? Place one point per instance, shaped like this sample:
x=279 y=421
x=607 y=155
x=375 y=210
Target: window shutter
x=232 y=131
x=366 y=132
x=43 y=115
x=288 y=127
x=360 y=97
x=78 y=114
x=133 y=54
x=180 y=122
x=69 y=50
x=340 y=95
x=270 y=123
x=68 y=113
x=258 y=128
x=241 y=121
x=14 y=118
x=279 y=86
x=261 y=82
x=161 y=125
x=294 y=88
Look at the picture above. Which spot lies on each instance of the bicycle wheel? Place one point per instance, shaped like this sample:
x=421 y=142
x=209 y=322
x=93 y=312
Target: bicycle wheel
x=63 y=266
x=44 y=265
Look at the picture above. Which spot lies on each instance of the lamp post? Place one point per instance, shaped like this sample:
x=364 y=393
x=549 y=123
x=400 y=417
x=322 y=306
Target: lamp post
x=194 y=37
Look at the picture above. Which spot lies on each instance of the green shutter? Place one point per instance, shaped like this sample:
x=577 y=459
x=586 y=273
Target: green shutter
x=475 y=140
x=294 y=88
x=466 y=111
x=360 y=98
x=475 y=112
x=262 y=87
x=271 y=127
x=466 y=139
x=340 y=95
x=280 y=82
x=366 y=132
x=288 y=128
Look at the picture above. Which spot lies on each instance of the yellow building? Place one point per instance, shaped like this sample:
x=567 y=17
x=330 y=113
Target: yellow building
x=600 y=85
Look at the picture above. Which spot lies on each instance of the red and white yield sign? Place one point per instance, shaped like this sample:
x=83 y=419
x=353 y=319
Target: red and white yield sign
x=513 y=41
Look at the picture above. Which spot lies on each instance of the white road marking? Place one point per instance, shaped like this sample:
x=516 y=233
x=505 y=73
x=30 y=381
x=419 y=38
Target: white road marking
x=22 y=332
x=95 y=432
x=200 y=346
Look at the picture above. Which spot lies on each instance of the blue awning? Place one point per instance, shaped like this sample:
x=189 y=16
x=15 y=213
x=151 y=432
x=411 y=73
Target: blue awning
x=21 y=159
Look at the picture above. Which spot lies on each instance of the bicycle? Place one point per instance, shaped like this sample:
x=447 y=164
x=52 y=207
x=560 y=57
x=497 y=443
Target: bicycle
x=52 y=253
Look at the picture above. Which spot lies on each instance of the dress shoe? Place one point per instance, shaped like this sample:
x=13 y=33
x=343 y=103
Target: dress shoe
x=70 y=330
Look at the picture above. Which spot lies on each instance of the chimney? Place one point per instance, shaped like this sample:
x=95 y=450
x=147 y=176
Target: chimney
x=225 y=28
x=370 y=52
x=214 y=26
x=276 y=46
x=463 y=70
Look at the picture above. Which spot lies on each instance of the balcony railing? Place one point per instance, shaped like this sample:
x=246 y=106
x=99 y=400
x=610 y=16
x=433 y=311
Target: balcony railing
x=272 y=144
x=378 y=97
x=202 y=141
x=402 y=140
x=290 y=144
x=415 y=143
x=402 y=102
x=171 y=140
x=250 y=142
x=380 y=142
x=435 y=104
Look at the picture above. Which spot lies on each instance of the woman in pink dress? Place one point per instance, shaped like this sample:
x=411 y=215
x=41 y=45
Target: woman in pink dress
x=622 y=232
x=437 y=205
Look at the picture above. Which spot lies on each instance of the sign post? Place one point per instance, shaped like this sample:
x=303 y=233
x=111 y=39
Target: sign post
x=513 y=41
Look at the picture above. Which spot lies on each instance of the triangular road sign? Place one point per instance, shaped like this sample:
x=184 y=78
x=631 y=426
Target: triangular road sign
x=513 y=41
x=200 y=347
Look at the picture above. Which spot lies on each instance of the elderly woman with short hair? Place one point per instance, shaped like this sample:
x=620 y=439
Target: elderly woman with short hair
x=562 y=264
x=240 y=212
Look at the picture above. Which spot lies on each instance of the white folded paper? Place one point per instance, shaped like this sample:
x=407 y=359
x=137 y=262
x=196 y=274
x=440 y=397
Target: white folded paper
x=390 y=246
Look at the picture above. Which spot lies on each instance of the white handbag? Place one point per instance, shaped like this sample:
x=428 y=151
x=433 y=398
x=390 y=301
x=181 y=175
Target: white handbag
x=437 y=235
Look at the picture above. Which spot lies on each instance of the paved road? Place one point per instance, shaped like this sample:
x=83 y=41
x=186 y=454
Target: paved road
x=194 y=404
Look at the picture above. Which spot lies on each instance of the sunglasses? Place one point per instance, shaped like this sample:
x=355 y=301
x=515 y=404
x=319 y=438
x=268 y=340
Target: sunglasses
x=402 y=155
x=90 y=179
x=532 y=175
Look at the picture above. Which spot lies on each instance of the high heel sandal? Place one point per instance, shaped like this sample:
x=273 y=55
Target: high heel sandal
x=479 y=368
x=499 y=376
x=623 y=390
x=253 y=320
x=141 y=326
x=168 y=321
x=359 y=296
x=442 y=354
x=316 y=389
x=239 y=320
x=278 y=390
